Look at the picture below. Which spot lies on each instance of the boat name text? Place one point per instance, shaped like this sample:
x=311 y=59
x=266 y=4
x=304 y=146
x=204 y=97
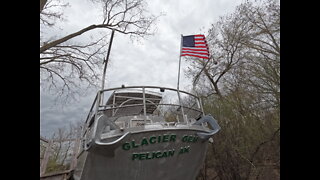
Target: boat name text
x=165 y=138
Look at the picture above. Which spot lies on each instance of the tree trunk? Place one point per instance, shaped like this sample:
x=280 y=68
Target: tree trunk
x=42 y=4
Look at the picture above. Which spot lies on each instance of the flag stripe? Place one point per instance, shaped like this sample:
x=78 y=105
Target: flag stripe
x=197 y=46
x=199 y=35
x=200 y=43
x=204 y=57
x=190 y=52
x=195 y=49
x=198 y=52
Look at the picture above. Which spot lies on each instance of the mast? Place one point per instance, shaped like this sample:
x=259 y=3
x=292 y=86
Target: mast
x=106 y=64
x=178 y=91
x=179 y=62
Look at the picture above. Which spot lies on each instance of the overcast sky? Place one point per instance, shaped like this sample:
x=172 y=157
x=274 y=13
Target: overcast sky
x=151 y=61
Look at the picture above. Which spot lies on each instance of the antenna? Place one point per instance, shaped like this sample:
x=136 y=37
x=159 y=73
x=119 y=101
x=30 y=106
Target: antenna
x=105 y=65
x=106 y=60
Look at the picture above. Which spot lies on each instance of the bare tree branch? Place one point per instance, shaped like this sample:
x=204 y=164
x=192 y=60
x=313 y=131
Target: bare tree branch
x=68 y=60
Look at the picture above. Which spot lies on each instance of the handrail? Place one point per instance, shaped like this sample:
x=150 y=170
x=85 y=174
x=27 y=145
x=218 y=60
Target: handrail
x=94 y=102
x=108 y=147
x=95 y=107
x=96 y=138
x=99 y=142
x=160 y=104
x=213 y=123
x=155 y=87
x=135 y=87
x=132 y=105
x=136 y=98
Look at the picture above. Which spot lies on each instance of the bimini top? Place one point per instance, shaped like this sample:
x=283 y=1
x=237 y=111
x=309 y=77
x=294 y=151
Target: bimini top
x=131 y=102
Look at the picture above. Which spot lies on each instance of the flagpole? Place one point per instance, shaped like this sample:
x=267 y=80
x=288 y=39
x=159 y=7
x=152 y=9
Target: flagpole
x=182 y=111
x=179 y=62
x=105 y=65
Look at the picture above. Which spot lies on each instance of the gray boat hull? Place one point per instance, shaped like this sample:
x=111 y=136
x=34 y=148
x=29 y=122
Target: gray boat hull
x=167 y=154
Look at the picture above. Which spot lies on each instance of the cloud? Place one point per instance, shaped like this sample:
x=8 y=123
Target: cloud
x=152 y=61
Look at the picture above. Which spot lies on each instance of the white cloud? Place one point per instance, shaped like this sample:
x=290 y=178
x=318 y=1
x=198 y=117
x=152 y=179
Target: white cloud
x=153 y=61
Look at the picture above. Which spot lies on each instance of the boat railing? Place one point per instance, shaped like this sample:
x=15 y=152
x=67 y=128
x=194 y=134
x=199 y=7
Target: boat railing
x=177 y=105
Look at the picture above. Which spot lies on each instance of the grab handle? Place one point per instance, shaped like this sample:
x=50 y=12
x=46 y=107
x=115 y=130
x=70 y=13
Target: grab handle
x=105 y=148
x=98 y=142
x=213 y=123
x=95 y=141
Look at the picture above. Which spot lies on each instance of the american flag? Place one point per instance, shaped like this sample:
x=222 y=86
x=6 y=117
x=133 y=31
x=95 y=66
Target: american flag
x=195 y=45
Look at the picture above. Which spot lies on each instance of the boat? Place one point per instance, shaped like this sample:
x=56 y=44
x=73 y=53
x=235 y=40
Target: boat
x=144 y=133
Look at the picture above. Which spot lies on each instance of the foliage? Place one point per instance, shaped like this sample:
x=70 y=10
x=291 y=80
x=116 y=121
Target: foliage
x=240 y=87
x=62 y=150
